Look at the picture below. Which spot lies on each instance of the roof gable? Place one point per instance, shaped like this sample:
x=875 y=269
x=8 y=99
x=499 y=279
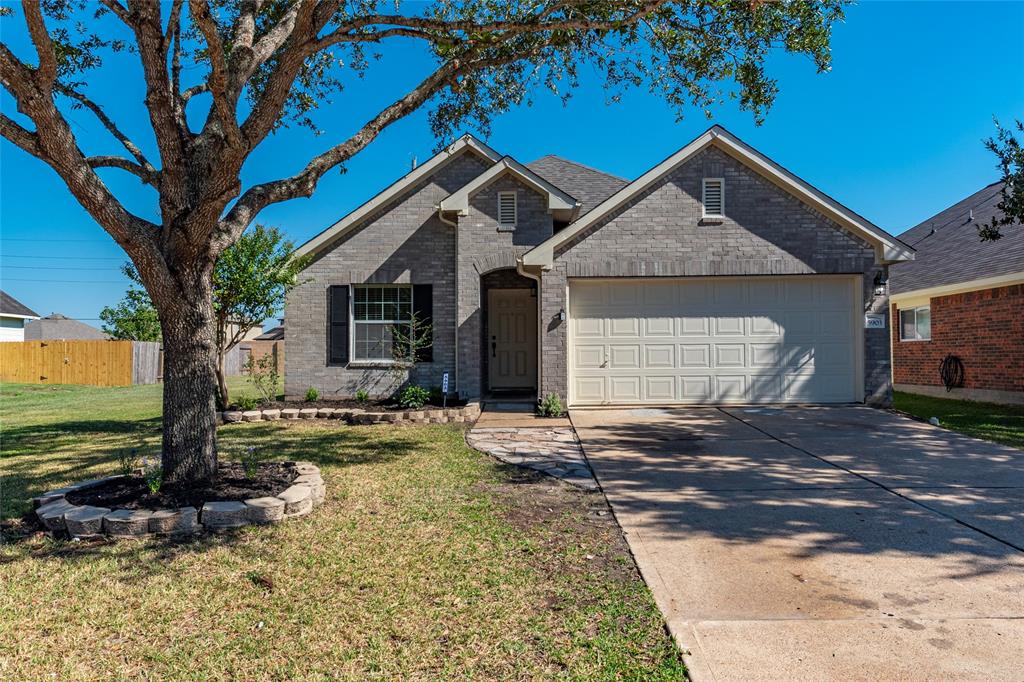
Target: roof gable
x=466 y=143
x=557 y=200
x=12 y=307
x=887 y=247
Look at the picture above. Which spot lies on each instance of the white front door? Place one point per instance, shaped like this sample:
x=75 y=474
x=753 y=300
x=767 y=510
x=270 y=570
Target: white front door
x=714 y=340
x=511 y=338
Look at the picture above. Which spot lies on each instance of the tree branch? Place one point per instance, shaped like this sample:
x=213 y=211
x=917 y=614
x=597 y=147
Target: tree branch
x=25 y=139
x=118 y=9
x=109 y=161
x=41 y=41
x=224 y=98
x=132 y=148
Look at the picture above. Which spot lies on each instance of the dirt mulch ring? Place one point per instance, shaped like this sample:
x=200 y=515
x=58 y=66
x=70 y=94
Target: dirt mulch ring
x=229 y=485
x=349 y=404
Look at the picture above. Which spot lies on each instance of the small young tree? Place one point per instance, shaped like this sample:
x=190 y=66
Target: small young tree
x=250 y=282
x=1010 y=152
x=134 y=318
x=408 y=342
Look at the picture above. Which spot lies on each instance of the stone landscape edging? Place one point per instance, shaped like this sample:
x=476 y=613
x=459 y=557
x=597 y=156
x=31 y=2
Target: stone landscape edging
x=58 y=515
x=355 y=415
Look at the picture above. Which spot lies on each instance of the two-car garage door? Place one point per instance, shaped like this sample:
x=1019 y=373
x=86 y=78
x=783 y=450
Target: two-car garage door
x=720 y=340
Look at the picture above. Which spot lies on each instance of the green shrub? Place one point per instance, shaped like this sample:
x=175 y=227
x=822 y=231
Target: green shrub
x=312 y=395
x=127 y=461
x=551 y=406
x=362 y=396
x=413 y=397
x=153 y=474
x=436 y=396
x=263 y=375
x=250 y=461
x=247 y=402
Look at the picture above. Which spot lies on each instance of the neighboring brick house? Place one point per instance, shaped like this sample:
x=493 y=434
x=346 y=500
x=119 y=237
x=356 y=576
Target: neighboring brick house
x=961 y=297
x=268 y=343
x=715 y=277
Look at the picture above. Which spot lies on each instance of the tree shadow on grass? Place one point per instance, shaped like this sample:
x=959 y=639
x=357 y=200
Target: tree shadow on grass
x=52 y=455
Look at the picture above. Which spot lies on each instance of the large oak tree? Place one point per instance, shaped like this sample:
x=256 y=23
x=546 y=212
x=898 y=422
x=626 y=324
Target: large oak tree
x=263 y=64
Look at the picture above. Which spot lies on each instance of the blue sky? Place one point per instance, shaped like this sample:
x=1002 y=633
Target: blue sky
x=894 y=131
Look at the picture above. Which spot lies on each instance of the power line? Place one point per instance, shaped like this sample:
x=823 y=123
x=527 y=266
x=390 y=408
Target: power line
x=63 y=281
x=33 y=239
x=51 y=267
x=16 y=255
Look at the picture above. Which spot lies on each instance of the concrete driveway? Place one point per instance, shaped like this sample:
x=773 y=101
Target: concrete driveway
x=840 y=543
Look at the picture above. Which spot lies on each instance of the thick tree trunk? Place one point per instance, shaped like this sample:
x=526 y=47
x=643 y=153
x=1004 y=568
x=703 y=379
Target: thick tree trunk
x=190 y=385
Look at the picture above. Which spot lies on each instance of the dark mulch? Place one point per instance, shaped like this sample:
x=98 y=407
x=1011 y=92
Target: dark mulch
x=230 y=485
x=370 y=405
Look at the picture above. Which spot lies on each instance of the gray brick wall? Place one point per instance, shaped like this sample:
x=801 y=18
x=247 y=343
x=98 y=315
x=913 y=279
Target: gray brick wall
x=482 y=249
x=660 y=233
x=404 y=242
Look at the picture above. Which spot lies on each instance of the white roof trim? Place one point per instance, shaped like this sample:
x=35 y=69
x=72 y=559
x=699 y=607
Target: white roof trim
x=558 y=200
x=21 y=317
x=887 y=248
x=435 y=163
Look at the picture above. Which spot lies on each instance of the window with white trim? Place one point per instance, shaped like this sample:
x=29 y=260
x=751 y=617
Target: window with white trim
x=916 y=324
x=507 y=210
x=713 y=197
x=376 y=311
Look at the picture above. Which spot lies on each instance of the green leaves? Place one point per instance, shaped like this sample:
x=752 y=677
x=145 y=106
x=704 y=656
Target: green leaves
x=1010 y=153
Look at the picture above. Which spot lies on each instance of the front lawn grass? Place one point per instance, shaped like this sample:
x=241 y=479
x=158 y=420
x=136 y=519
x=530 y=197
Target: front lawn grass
x=428 y=560
x=999 y=423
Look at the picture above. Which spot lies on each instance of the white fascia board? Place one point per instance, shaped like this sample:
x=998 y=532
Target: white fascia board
x=458 y=201
x=888 y=249
x=20 y=317
x=926 y=293
x=435 y=163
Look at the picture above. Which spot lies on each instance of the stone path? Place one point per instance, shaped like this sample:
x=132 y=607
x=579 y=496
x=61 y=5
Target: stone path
x=552 y=451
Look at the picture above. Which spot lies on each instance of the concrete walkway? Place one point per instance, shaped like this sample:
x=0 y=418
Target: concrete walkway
x=820 y=543
x=546 y=445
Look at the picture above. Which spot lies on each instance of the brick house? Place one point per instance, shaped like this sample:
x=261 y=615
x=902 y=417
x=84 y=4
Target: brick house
x=961 y=297
x=715 y=277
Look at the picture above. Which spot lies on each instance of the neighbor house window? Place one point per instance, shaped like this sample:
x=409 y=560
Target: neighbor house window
x=507 y=210
x=916 y=324
x=376 y=311
x=713 y=197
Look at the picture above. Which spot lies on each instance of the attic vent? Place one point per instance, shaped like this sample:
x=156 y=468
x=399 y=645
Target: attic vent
x=507 y=210
x=714 y=197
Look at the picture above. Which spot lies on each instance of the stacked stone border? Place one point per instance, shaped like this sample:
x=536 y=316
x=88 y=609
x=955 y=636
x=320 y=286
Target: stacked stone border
x=84 y=521
x=429 y=415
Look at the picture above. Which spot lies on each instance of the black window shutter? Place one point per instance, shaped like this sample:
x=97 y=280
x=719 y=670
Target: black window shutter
x=423 y=309
x=337 y=325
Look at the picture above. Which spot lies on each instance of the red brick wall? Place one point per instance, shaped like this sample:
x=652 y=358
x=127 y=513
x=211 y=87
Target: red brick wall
x=984 y=328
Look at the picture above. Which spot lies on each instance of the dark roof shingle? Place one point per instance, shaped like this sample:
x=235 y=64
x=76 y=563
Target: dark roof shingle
x=587 y=185
x=12 y=306
x=949 y=250
x=57 y=326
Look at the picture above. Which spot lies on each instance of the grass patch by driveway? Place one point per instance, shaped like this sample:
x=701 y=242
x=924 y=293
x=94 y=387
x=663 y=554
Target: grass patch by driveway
x=999 y=423
x=428 y=560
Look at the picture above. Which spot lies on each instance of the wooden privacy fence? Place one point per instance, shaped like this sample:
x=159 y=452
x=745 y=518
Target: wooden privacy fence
x=92 y=363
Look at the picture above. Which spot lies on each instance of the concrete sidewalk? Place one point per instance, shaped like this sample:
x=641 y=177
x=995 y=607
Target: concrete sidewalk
x=820 y=543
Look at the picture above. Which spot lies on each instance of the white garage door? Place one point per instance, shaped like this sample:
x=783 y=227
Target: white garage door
x=722 y=340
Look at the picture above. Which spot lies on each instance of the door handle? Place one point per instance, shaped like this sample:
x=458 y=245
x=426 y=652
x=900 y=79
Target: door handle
x=494 y=349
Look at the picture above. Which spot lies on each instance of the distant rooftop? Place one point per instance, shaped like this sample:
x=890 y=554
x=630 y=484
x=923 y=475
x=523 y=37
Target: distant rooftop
x=12 y=306
x=949 y=250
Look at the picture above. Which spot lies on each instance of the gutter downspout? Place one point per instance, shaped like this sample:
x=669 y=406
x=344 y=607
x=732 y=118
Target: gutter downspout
x=521 y=270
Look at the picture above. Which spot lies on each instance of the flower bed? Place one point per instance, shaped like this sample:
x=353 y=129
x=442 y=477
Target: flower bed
x=68 y=510
x=352 y=415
